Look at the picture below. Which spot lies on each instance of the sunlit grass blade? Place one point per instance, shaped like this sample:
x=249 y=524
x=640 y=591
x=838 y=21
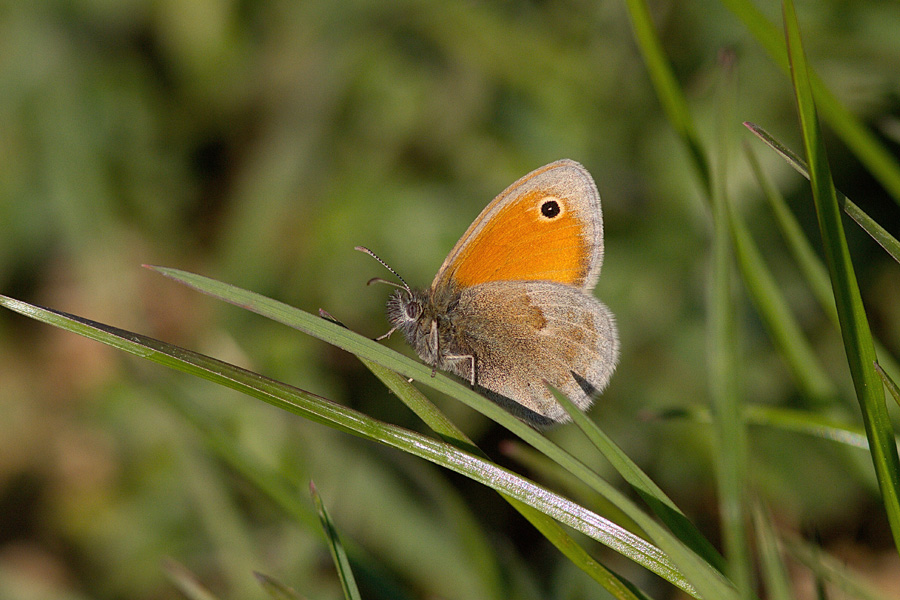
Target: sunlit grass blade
x=867 y=223
x=549 y=528
x=667 y=88
x=617 y=586
x=341 y=563
x=656 y=499
x=774 y=574
x=871 y=152
x=347 y=420
x=697 y=570
x=275 y=589
x=858 y=341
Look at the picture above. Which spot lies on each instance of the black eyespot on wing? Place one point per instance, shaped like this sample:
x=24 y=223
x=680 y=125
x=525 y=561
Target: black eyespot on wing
x=550 y=209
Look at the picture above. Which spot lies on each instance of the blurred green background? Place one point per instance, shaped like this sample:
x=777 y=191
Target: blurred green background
x=258 y=143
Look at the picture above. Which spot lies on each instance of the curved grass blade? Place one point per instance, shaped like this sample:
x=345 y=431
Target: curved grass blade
x=697 y=570
x=858 y=341
x=341 y=562
x=878 y=233
x=328 y=413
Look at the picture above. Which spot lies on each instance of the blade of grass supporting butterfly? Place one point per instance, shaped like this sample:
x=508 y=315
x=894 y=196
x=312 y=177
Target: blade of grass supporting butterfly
x=810 y=265
x=655 y=498
x=774 y=573
x=867 y=223
x=858 y=342
x=617 y=586
x=691 y=565
x=341 y=563
x=866 y=146
x=347 y=420
x=276 y=589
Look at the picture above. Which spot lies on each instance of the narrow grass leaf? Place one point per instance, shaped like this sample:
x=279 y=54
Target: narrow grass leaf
x=871 y=152
x=889 y=383
x=858 y=341
x=814 y=272
x=347 y=420
x=775 y=314
x=667 y=88
x=730 y=435
x=410 y=395
x=341 y=562
x=774 y=572
x=867 y=223
x=661 y=505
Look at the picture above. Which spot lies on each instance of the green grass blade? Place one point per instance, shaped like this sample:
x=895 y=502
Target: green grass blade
x=347 y=420
x=730 y=435
x=661 y=505
x=341 y=562
x=815 y=273
x=667 y=88
x=617 y=586
x=697 y=570
x=788 y=419
x=889 y=383
x=860 y=348
x=774 y=573
x=872 y=153
x=867 y=223
x=775 y=314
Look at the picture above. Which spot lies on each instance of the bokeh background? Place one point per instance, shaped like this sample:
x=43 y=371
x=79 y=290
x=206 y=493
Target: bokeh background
x=258 y=143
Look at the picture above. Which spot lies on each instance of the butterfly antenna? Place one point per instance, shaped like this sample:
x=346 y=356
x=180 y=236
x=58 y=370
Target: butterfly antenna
x=405 y=286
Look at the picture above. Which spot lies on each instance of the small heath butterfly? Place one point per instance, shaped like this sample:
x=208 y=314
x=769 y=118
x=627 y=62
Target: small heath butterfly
x=511 y=308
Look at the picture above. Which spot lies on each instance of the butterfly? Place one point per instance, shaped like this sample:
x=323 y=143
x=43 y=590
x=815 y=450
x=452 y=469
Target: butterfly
x=511 y=309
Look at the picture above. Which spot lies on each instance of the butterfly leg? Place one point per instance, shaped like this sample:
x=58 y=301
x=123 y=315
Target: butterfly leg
x=468 y=357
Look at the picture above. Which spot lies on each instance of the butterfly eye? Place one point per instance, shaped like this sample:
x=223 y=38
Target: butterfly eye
x=550 y=208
